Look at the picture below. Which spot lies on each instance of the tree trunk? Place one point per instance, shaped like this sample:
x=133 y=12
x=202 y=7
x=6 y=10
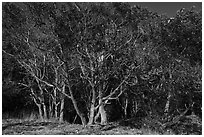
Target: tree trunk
x=125 y=107
x=55 y=95
x=103 y=114
x=136 y=106
x=56 y=116
x=92 y=108
x=44 y=111
x=50 y=107
x=82 y=117
x=37 y=104
x=62 y=105
x=40 y=112
x=61 y=111
x=96 y=117
x=55 y=103
x=102 y=109
x=42 y=99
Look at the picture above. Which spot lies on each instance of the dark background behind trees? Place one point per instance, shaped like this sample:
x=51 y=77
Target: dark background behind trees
x=100 y=61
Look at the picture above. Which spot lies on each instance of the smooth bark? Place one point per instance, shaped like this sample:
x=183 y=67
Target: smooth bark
x=50 y=107
x=40 y=112
x=62 y=105
x=44 y=110
x=92 y=108
x=102 y=108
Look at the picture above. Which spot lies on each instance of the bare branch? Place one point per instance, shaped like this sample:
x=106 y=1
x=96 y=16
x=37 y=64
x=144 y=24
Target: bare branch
x=125 y=43
x=43 y=68
x=80 y=52
x=25 y=85
x=114 y=91
x=59 y=90
x=48 y=84
x=77 y=6
x=8 y=53
x=34 y=97
x=121 y=92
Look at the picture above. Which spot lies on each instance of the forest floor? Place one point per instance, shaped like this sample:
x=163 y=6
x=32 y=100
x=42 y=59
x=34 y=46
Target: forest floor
x=33 y=127
x=18 y=127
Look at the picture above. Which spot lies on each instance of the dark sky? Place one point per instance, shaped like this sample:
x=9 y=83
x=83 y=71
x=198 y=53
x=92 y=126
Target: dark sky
x=169 y=8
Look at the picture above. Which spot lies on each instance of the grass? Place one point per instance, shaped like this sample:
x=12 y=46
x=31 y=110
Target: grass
x=52 y=128
x=35 y=127
x=29 y=124
x=23 y=115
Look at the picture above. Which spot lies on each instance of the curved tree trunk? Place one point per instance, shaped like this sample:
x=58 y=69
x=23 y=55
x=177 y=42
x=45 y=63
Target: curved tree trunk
x=37 y=104
x=82 y=117
x=96 y=117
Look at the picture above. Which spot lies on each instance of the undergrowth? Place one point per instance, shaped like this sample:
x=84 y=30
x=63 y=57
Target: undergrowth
x=151 y=125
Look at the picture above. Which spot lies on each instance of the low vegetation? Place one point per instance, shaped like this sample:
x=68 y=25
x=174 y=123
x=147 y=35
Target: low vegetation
x=138 y=126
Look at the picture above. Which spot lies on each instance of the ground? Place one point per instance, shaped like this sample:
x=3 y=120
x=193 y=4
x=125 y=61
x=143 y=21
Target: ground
x=17 y=127
x=34 y=127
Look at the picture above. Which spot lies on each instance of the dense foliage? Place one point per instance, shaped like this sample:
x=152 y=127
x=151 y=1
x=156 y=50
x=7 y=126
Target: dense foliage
x=102 y=62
